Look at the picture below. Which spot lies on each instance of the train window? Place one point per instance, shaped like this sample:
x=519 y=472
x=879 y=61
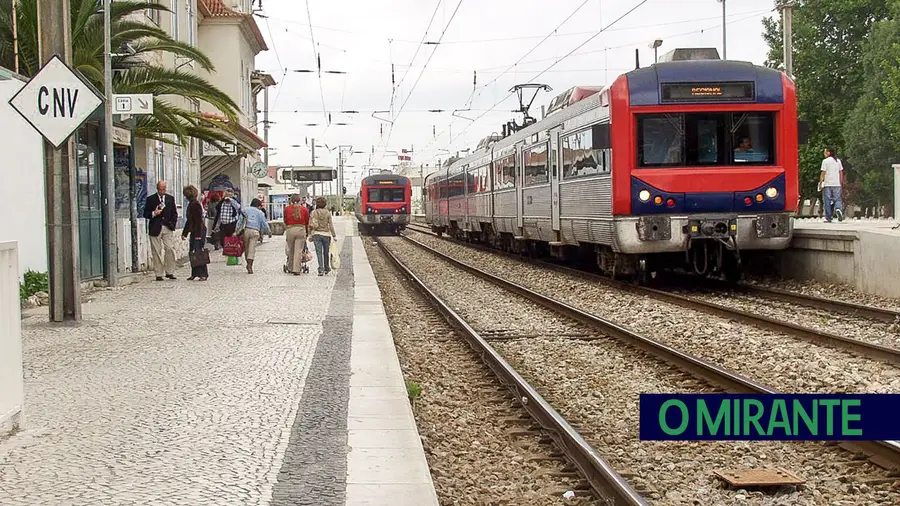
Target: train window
x=456 y=188
x=705 y=139
x=505 y=173
x=584 y=153
x=753 y=138
x=386 y=195
x=536 y=171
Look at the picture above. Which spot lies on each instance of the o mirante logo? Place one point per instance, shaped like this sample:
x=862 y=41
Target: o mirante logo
x=769 y=417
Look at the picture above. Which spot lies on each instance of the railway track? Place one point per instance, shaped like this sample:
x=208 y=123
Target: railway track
x=598 y=473
x=883 y=453
x=679 y=363
x=887 y=354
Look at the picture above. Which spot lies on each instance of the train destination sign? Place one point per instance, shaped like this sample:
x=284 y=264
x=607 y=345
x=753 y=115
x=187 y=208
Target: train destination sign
x=684 y=92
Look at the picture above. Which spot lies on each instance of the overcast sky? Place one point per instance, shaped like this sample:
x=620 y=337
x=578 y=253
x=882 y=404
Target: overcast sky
x=363 y=39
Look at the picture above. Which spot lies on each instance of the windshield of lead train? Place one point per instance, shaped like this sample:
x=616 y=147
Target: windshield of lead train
x=706 y=139
x=386 y=195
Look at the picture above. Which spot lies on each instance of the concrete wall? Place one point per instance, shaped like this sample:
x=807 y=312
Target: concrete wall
x=12 y=385
x=863 y=259
x=22 y=183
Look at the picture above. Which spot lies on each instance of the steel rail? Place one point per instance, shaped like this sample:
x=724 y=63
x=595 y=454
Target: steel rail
x=870 y=350
x=851 y=308
x=605 y=481
x=883 y=453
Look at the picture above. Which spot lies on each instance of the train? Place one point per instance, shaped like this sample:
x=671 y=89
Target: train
x=383 y=204
x=689 y=164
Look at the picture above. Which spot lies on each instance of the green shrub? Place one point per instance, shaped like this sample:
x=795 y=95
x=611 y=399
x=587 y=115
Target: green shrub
x=34 y=282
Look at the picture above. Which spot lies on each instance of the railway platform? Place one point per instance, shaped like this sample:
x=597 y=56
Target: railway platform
x=245 y=389
x=860 y=253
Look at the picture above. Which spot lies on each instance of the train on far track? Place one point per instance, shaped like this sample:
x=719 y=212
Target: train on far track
x=384 y=204
x=688 y=164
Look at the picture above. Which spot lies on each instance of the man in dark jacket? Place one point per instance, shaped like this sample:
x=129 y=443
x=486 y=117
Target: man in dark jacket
x=160 y=210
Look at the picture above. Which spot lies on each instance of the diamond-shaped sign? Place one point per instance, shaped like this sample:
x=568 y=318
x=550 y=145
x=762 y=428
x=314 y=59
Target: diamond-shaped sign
x=56 y=101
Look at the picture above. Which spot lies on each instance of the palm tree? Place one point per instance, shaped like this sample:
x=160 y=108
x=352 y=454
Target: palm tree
x=142 y=76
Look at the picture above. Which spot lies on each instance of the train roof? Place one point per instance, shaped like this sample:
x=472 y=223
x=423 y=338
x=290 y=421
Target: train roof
x=693 y=66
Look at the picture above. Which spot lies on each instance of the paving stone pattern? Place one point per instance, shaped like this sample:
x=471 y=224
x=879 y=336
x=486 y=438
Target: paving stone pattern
x=180 y=392
x=315 y=465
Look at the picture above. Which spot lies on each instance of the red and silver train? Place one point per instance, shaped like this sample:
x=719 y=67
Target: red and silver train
x=684 y=164
x=383 y=204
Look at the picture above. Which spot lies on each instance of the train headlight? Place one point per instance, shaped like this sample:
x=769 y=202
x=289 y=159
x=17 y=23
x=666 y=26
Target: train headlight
x=644 y=195
x=771 y=193
x=759 y=197
x=658 y=200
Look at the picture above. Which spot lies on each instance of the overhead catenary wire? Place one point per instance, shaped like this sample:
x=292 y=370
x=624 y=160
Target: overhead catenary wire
x=413 y=89
x=278 y=59
x=315 y=48
x=593 y=51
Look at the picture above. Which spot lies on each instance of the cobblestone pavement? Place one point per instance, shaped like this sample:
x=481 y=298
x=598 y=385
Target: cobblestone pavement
x=170 y=392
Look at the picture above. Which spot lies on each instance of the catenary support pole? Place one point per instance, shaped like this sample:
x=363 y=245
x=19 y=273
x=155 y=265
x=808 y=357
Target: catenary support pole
x=111 y=251
x=787 y=29
x=60 y=169
x=266 y=125
x=724 y=38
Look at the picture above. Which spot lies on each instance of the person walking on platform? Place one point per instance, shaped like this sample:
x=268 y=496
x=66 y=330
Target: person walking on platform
x=227 y=214
x=321 y=227
x=195 y=227
x=253 y=223
x=831 y=181
x=296 y=221
x=163 y=215
x=211 y=213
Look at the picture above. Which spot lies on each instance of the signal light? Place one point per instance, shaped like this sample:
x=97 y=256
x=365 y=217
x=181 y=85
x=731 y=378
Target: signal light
x=759 y=197
x=670 y=202
x=771 y=193
x=747 y=201
x=658 y=200
x=644 y=195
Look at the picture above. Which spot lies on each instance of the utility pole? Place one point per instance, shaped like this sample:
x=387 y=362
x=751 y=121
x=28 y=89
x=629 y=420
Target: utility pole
x=54 y=38
x=109 y=204
x=787 y=32
x=313 y=164
x=724 y=39
x=266 y=125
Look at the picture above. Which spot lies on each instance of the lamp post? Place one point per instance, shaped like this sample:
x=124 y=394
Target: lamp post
x=655 y=47
x=724 y=40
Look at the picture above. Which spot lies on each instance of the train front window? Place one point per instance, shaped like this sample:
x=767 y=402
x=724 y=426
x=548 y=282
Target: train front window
x=386 y=195
x=706 y=139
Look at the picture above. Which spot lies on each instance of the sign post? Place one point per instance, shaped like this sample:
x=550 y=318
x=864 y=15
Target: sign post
x=56 y=102
x=896 y=168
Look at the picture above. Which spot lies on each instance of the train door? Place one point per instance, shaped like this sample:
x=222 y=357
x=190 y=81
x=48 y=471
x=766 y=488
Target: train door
x=554 y=181
x=520 y=179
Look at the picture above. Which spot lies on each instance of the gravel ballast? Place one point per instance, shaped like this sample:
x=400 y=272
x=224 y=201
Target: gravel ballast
x=596 y=385
x=781 y=362
x=463 y=411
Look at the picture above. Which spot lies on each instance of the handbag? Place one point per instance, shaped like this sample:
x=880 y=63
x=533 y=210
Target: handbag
x=335 y=260
x=233 y=247
x=199 y=257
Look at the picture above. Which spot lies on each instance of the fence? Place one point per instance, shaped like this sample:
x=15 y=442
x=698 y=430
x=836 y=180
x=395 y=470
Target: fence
x=12 y=385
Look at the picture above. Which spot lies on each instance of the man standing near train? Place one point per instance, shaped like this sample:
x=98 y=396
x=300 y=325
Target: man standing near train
x=831 y=181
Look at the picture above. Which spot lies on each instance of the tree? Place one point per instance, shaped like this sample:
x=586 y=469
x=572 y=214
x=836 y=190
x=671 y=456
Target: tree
x=829 y=37
x=141 y=76
x=872 y=131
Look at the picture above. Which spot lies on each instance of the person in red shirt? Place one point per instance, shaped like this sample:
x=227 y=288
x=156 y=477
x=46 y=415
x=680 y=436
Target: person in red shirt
x=296 y=222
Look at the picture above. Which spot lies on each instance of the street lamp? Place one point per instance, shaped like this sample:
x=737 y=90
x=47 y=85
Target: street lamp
x=655 y=47
x=724 y=40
